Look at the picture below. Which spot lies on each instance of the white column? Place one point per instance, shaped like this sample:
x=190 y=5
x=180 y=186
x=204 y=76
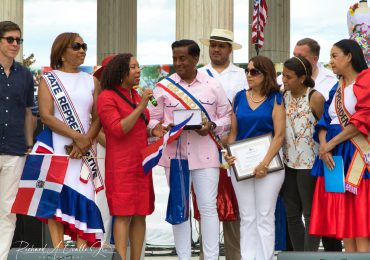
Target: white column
x=12 y=10
x=195 y=19
x=277 y=31
x=117 y=27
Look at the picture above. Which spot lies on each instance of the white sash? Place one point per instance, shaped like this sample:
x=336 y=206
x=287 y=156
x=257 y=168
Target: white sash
x=69 y=115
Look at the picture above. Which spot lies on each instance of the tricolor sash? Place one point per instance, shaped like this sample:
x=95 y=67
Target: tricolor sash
x=360 y=160
x=70 y=117
x=188 y=101
x=227 y=206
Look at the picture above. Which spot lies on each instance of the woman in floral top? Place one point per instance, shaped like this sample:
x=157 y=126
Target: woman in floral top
x=303 y=107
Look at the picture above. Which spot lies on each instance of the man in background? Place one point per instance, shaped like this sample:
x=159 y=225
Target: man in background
x=232 y=78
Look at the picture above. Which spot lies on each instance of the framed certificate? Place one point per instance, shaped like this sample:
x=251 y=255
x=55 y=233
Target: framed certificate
x=249 y=153
x=182 y=114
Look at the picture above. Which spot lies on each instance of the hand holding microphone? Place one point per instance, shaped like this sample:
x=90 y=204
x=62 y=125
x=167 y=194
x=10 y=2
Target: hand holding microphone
x=147 y=96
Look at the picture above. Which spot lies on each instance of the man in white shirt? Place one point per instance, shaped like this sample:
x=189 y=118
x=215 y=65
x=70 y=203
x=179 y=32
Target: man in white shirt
x=324 y=78
x=324 y=81
x=232 y=79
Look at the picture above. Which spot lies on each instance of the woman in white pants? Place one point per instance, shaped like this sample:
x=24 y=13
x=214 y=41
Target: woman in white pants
x=258 y=111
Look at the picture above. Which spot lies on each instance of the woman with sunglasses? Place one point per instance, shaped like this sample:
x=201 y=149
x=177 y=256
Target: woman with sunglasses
x=343 y=132
x=124 y=117
x=67 y=104
x=258 y=111
x=304 y=106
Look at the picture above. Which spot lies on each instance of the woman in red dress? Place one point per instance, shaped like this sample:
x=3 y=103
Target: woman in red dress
x=343 y=131
x=124 y=118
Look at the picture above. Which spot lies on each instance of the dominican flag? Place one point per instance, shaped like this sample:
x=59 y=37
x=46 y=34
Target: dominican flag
x=40 y=185
x=153 y=152
x=44 y=142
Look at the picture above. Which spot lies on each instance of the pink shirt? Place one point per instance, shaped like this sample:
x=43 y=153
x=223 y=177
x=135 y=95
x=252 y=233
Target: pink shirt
x=201 y=151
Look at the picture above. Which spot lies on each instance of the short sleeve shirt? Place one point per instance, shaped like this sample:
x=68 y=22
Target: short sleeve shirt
x=16 y=94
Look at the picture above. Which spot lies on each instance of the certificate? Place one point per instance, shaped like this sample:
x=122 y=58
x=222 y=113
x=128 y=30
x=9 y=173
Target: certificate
x=249 y=153
x=182 y=114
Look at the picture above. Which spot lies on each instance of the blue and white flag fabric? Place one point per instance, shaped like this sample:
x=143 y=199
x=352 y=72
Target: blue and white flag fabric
x=153 y=152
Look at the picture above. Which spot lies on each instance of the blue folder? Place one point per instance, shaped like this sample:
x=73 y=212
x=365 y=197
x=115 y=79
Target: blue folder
x=334 y=179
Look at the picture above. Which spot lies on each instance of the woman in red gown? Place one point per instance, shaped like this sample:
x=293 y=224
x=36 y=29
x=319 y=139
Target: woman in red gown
x=345 y=120
x=124 y=118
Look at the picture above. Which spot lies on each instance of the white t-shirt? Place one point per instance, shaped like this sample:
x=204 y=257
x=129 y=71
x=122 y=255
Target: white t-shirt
x=325 y=81
x=232 y=79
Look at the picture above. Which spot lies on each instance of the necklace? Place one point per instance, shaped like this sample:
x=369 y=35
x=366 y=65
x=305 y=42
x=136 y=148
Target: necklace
x=256 y=101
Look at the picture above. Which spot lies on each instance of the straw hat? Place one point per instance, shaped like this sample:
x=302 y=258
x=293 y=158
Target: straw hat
x=222 y=35
x=98 y=72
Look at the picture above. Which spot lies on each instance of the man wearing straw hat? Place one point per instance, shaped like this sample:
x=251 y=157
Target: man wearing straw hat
x=232 y=78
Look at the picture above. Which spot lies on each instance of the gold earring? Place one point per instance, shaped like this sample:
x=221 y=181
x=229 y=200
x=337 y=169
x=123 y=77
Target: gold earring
x=62 y=58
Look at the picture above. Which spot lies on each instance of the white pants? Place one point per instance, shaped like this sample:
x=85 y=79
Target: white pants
x=205 y=183
x=11 y=168
x=257 y=201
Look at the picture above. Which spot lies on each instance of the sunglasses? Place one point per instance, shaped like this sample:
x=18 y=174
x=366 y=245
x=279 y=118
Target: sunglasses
x=252 y=72
x=76 y=46
x=11 y=39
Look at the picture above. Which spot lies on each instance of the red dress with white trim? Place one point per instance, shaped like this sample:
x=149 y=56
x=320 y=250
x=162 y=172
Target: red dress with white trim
x=343 y=215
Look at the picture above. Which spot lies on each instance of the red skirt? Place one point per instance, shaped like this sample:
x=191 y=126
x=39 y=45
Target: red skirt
x=340 y=215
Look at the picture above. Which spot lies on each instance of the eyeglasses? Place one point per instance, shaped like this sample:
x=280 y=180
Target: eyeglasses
x=252 y=72
x=11 y=39
x=76 y=46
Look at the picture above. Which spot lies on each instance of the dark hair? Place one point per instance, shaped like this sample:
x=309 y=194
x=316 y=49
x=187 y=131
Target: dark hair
x=267 y=68
x=312 y=44
x=60 y=44
x=301 y=66
x=7 y=26
x=350 y=46
x=115 y=71
x=193 y=47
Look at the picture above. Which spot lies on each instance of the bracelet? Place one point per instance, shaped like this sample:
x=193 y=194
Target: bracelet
x=264 y=165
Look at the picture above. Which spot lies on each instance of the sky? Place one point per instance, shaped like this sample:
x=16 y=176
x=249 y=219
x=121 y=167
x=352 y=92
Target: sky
x=322 y=20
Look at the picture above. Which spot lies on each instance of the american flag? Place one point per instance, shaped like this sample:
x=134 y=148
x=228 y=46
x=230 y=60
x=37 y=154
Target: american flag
x=259 y=22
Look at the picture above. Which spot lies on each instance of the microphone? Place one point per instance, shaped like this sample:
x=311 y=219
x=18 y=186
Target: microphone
x=153 y=101
x=151 y=98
